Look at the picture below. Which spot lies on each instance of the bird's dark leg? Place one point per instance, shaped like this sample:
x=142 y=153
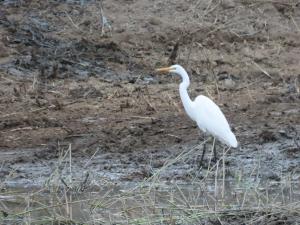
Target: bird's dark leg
x=200 y=163
x=214 y=150
x=202 y=156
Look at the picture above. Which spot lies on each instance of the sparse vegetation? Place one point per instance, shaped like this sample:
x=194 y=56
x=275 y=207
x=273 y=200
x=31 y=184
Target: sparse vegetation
x=90 y=135
x=206 y=200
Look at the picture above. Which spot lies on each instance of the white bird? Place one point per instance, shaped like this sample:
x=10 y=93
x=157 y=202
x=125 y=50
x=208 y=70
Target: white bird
x=203 y=110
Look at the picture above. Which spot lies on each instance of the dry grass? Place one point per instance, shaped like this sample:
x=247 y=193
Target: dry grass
x=211 y=200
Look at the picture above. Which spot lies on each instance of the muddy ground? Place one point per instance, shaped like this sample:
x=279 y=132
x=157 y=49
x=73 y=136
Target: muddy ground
x=68 y=82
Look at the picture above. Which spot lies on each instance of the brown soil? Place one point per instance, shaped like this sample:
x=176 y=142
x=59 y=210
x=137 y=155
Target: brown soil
x=65 y=82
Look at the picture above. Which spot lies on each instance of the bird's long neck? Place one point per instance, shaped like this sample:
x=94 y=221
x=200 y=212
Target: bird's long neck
x=186 y=100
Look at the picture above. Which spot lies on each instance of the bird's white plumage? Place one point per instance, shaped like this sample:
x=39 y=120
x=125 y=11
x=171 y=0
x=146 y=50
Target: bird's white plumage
x=210 y=118
x=203 y=110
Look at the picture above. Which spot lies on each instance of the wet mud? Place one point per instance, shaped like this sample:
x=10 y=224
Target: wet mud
x=69 y=86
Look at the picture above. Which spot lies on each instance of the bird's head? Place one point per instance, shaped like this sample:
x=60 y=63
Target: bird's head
x=172 y=69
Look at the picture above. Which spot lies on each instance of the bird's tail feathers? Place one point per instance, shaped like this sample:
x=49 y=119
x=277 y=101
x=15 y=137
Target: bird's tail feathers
x=231 y=139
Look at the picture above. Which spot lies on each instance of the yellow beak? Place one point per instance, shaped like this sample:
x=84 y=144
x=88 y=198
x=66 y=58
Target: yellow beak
x=163 y=70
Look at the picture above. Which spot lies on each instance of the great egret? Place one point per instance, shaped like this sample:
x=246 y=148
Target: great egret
x=203 y=111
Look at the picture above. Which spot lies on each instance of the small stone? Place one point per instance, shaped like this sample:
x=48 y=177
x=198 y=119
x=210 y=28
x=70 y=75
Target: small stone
x=15 y=72
x=227 y=4
x=273 y=176
x=120 y=30
x=229 y=84
x=154 y=21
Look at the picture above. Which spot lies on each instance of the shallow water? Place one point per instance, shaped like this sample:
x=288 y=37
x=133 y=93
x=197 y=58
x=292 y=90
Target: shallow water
x=134 y=201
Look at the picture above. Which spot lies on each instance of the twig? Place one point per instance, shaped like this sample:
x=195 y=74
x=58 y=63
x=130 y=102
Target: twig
x=294 y=22
x=104 y=22
x=22 y=128
x=65 y=183
x=172 y=135
x=262 y=70
x=83 y=184
x=216 y=184
x=70 y=162
x=72 y=21
x=87 y=163
x=142 y=117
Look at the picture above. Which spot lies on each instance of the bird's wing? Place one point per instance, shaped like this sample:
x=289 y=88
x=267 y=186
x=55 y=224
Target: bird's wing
x=210 y=118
